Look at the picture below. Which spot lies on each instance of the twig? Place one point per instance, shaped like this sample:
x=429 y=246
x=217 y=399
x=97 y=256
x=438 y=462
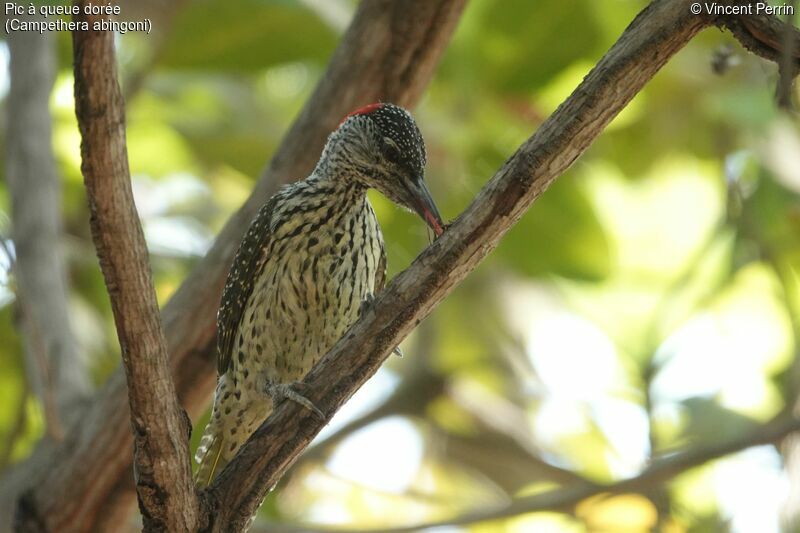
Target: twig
x=167 y=498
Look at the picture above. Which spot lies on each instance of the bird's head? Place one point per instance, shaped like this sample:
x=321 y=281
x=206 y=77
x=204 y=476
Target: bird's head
x=383 y=147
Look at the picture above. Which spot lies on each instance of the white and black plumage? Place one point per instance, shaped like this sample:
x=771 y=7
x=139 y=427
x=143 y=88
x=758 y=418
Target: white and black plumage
x=309 y=260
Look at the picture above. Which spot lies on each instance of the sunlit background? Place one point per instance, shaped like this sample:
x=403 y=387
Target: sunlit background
x=647 y=305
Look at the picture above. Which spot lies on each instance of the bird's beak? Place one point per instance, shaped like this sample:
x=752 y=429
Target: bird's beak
x=425 y=207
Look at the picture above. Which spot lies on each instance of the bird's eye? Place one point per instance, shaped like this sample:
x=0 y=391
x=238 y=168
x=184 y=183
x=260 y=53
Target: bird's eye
x=390 y=150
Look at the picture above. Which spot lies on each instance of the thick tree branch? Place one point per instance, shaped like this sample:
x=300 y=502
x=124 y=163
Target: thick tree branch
x=166 y=493
x=86 y=484
x=655 y=35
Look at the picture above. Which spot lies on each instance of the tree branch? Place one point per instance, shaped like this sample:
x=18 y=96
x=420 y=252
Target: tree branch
x=764 y=36
x=86 y=484
x=164 y=485
x=662 y=29
x=789 y=63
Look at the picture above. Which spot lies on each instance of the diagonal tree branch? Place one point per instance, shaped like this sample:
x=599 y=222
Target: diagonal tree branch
x=85 y=484
x=657 y=33
x=166 y=493
x=662 y=29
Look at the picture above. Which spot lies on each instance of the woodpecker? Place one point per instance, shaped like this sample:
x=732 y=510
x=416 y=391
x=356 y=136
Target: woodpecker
x=311 y=259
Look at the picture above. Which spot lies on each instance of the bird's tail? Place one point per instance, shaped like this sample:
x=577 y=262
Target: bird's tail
x=209 y=457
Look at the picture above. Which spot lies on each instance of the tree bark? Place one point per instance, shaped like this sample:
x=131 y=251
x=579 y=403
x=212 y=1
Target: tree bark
x=389 y=53
x=163 y=474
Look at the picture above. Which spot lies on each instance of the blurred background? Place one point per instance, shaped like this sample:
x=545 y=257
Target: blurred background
x=648 y=305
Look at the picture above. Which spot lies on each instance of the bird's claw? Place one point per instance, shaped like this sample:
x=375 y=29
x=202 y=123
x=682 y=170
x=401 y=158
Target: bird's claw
x=398 y=351
x=288 y=391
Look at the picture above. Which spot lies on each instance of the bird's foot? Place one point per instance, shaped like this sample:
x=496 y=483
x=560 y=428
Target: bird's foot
x=398 y=351
x=289 y=391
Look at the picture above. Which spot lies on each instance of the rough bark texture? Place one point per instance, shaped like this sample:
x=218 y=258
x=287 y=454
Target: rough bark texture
x=163 y=473
x=764 y=36
x=57 y=375
x=655 y=35
x=389 y=53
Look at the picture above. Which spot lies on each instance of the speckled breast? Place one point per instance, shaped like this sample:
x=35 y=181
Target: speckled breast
x=309 y=293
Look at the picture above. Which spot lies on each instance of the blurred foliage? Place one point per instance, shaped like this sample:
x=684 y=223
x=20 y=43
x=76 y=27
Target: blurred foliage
x=648 y=302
